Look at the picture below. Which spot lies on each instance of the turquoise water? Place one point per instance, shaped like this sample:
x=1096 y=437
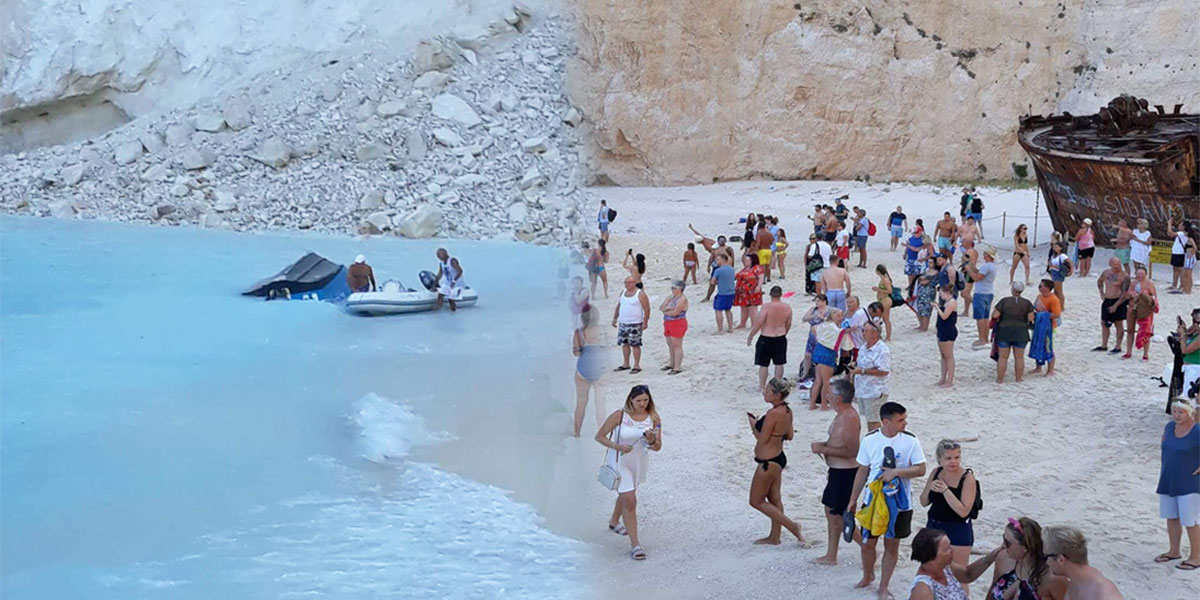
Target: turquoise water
x=163 y=437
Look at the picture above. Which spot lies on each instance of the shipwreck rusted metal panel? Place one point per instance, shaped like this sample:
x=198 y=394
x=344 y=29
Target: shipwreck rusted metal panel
x=1116 y=165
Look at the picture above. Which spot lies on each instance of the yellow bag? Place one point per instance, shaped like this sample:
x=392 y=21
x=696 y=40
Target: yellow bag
x=874 y=516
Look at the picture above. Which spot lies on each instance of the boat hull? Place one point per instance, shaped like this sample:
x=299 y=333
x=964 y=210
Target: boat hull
x=397 y=303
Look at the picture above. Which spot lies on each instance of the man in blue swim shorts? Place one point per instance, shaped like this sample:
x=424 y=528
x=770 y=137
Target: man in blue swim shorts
x=724 y=278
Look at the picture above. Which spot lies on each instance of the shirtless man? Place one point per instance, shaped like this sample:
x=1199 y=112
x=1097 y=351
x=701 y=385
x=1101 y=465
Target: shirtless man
x=1143 y=302
x=946 y=230
x=450 y=275
x=831 y=226
x=1121 y=243
x=764 y=245
x=1114 y=288
x=774 y=320
x=835 y=282
x=969 y=259
x=968 y=231
x=839 y=452
x=359 y=276
x=1067 y=556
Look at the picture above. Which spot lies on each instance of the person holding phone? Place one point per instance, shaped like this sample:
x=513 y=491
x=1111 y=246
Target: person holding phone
x=634 y=430
x=770 y=431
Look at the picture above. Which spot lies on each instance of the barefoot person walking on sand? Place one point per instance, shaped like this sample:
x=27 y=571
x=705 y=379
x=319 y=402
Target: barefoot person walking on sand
x=629 y=434
x=1067 y=555
x=631 y=317
x=589 y=365
x=774 y=321
x=839 y=452
x=894 y=456
x=1179 y=485
x=596 y=267
x=675 y=325
x=691 y=262
x=770 y=431
x=835 y=283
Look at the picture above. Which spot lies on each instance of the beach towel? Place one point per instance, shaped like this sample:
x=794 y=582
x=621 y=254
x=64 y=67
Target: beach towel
x=1041 y=347
x=875 y=517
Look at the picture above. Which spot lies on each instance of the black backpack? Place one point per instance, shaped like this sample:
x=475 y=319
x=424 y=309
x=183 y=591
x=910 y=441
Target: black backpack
x=612 y=215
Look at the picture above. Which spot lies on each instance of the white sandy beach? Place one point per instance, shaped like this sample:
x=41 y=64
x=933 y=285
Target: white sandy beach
x=1080 y=448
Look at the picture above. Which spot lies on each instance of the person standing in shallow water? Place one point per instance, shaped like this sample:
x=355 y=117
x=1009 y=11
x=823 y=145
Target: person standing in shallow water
x=629 y=434
x=359 y=276
x=450 y=275
x=770 y=431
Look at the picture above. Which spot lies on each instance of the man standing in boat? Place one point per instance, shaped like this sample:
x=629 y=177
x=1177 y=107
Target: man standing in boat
x=449 y=278
x=359 y=276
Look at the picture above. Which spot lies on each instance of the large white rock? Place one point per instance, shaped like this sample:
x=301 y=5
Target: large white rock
x=534 y=145
x=209 y=122
x=151 y=141
x=372 y=200
x=179 y=134
x=62 y=209
x=371 y=151
x=431 y=80
x=127 y=152
x=194 y=159
x=430 y=56
x=390 y=108
x=237 y=116
x=414 y=142
x=274 y=153
x=377 y=222
x=447 y=137
x=424 y=222
x=453 y=108
x=532 y=178
x=72 y=175
x=157 y=172
x=224 y=201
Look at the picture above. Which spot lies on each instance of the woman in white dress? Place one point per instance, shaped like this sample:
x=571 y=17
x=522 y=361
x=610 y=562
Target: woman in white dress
x=638 y=429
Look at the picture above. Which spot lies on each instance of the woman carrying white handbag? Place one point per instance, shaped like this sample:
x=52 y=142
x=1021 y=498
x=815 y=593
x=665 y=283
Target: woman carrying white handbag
x=637 y=429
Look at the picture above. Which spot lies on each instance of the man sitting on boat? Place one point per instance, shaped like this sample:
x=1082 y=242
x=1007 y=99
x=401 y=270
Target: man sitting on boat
x=359 y=276
x=449 y=276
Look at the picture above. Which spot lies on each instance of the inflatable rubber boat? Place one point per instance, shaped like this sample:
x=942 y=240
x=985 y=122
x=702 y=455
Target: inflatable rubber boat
x=393 y=298
x=313 y=277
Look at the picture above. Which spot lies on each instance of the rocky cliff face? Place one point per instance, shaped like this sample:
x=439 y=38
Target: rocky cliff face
x=679 y=92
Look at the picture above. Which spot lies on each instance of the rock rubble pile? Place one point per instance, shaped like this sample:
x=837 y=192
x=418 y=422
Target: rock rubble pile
x=471 y=137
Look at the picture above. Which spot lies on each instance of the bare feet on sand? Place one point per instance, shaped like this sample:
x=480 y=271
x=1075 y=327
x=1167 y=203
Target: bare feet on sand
x=767 y=541
x=864 y=582
x=826 y=560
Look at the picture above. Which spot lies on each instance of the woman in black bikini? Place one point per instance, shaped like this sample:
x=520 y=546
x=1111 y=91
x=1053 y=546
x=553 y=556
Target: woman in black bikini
x=1020 y=252
x=770 y=431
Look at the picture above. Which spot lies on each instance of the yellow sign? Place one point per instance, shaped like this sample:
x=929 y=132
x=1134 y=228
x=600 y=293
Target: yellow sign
x=1160 y=253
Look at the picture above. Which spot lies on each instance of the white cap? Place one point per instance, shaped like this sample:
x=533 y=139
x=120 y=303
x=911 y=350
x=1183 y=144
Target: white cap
x=1087 y=221
x=360 y=259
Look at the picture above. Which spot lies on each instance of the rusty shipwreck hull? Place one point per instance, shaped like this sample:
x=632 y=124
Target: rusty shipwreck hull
x=1125 y=162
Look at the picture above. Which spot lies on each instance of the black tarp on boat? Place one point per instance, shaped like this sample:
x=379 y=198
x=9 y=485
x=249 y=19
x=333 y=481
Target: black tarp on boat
x=311 y=272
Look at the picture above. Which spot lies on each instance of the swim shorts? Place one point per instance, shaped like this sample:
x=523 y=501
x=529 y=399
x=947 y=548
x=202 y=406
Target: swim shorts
x=1176 y=260
x=836 y=298
x=869 y=407
x=764 y=257
x=770 y=350
x=675 y=328
x=960 y=533
x=1122 y=255
x=897 y=231
x=839 y=484
x=861 y=241
x=1108 y=316
x=943 y=243
x=1087 y=252
x=629 y=334
x=603 y=227
x=723 y=302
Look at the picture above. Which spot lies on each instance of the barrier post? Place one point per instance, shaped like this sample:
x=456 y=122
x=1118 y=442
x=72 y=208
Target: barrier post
x=1004 y=224
x=1036 y=206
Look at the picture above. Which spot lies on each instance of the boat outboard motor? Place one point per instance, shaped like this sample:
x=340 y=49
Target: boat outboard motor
x=429 y=280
